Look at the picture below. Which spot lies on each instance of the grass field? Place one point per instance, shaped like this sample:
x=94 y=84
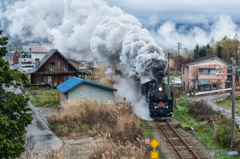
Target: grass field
x=228 y=104
x=206 y=137
x=46 y=97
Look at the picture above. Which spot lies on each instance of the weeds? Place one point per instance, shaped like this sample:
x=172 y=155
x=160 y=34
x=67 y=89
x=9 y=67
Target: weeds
x=92 y=118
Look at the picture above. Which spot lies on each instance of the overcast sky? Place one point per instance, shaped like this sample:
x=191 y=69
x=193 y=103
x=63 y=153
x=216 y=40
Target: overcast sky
x=184 y=11
x=168 y=21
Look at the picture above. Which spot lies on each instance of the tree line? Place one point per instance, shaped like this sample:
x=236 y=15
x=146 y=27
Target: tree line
x=224 y=49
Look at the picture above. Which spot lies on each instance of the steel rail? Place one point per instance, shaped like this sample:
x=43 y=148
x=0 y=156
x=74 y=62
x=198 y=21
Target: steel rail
x=179 y=138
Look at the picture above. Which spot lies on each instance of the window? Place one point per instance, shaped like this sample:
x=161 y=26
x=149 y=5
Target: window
x=30 y=49
x=183 y=70
x=16 y=54
x=51 y=64
x=59 y=63
x=207 y=71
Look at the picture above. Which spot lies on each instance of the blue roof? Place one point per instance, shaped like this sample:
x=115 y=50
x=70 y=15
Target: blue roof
x=74 y=81
x=204 y=81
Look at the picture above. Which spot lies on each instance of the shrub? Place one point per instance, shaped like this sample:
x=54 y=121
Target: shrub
x=227 y=122
x=200 y=110
x=223 y=135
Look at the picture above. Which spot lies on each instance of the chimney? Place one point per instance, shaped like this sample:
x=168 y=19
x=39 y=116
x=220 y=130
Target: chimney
x=36 y=62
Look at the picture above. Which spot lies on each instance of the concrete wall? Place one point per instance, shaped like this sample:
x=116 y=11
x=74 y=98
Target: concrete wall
x=35 y=55
x=89 y=92
x=185 y=76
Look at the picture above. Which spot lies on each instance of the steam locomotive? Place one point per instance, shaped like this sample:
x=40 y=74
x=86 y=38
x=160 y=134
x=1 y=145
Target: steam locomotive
x=160 y=106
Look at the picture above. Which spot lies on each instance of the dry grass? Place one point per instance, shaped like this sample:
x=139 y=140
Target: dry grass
x=101 y=77
x=109 y=149
x=92 y=118
x=53 y=154
x=113 y=122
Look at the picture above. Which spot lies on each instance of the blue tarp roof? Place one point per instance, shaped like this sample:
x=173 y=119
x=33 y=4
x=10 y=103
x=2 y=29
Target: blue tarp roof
x=74 y=81
x=204 y=81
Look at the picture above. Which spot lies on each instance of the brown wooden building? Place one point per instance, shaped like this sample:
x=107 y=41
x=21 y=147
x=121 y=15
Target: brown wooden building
x=53 y=69
x=16 y=56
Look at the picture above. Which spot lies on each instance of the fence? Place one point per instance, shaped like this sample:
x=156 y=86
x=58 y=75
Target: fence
x=42 y=101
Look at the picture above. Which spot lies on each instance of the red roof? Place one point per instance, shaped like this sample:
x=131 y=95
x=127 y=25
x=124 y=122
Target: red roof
x=42 y=48
x=197 y=60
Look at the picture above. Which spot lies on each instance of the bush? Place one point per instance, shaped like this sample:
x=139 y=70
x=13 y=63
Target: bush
x=200 y=110
x=223 y=135
x=227 y=122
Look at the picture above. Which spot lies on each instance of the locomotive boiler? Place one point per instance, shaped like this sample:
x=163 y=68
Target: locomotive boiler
x=160 y=106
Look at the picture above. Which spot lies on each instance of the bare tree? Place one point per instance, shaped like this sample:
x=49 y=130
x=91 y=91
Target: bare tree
x=195 y=75
x=218 y=84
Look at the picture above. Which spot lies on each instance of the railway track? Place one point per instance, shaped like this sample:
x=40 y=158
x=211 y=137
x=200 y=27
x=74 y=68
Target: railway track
x=181 y=147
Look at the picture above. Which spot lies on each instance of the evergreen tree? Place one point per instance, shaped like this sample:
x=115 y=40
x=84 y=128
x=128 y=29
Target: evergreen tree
x=200 y=51
x=13 y=108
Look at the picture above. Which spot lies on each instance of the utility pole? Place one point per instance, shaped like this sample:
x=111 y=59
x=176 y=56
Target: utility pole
x=179 y=45
x=233 y=100
x=10 y=55
x=168 y=75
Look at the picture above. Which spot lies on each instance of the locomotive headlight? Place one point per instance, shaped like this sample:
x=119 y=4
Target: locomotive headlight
x=155 y=107
x=160 y=89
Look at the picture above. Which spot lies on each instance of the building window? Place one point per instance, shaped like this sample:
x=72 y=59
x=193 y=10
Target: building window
x=59 y=63
x=51 y=64
x=16 y=54
x=207 y=71
x=183 y=70
x=30 y=49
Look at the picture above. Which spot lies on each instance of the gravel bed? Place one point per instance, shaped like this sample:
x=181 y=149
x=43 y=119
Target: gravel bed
x=199 y=148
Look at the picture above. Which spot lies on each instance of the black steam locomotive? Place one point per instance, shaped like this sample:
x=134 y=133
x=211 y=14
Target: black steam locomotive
x=160 y=107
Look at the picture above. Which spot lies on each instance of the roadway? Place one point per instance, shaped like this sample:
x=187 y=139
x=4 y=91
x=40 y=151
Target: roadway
x=38 y=134
x=211 y=101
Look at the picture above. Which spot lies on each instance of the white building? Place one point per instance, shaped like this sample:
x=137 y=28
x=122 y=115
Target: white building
x=39 y=51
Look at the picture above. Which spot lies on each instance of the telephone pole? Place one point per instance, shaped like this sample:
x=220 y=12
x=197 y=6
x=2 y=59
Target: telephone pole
x=168 y=75
x=179 y=45
x=233 y=100
x=10 y=54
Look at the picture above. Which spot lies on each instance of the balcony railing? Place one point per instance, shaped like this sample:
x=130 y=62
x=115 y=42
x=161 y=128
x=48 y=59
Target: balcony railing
x=56 y=69
x=202 y=73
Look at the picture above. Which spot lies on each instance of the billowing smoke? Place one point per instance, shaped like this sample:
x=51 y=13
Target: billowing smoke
x=90 y=27
x=126 y=89
x=120 y=39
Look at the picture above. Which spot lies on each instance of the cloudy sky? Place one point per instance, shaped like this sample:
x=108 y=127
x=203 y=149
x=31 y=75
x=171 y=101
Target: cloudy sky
x=168 y=21
x=184 y=11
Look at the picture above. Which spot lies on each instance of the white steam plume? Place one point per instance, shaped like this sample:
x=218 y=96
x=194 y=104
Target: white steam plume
x=126 y=89
x=91 y=27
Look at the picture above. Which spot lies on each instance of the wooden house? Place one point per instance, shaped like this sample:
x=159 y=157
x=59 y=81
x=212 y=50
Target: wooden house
x=53 y=69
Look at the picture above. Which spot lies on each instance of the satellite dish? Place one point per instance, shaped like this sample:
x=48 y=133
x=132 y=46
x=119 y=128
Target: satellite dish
x=217 y=68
